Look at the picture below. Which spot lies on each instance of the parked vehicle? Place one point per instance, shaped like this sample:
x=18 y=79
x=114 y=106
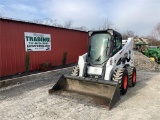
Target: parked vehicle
x=105 y=71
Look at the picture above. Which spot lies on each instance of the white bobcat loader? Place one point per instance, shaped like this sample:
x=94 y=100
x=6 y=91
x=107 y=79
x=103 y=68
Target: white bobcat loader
x=105 y=71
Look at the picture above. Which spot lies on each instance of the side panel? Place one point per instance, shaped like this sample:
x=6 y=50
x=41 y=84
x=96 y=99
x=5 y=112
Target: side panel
x=109 y=70
x=82 y=64
x=125 y=52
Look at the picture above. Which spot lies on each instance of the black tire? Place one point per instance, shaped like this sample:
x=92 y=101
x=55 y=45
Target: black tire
x=121 y=76
x=75 y=71
x=131 y=76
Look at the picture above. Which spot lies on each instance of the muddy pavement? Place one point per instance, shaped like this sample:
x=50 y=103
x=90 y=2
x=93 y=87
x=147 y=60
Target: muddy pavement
x=31 y=100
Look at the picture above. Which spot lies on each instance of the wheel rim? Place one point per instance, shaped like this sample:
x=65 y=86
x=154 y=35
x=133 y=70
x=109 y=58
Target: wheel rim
x=125 y=82
x=134 y=77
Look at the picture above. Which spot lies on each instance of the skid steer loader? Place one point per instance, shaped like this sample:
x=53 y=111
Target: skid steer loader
x=105 y=71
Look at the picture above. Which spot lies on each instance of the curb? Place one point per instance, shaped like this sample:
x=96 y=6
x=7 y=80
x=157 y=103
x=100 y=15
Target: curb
x=18 y=80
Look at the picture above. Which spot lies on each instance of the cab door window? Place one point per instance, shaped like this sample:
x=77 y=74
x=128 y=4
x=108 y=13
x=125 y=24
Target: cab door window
x=117 y=44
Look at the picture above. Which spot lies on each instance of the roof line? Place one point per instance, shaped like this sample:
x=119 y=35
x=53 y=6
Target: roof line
x=31 y=22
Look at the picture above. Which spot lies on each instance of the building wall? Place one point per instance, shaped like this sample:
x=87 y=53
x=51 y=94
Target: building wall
x=12 y=46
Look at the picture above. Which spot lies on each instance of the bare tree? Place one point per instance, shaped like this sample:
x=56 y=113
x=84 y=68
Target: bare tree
x=68 y=23
x=153 y=41
x=49 y=21
x=156 y=32
x=128 y=33
x=46 y=21
x=83 y=28
x=38 y=21
x=154 y=36
x=2 y=13
x=59 y=25
x=99 y=27
x=107 y=24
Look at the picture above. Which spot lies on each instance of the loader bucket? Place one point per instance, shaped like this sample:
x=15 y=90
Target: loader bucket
x=106 y=92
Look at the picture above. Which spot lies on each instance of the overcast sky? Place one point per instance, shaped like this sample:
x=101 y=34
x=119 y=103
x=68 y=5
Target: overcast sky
x=139 y=16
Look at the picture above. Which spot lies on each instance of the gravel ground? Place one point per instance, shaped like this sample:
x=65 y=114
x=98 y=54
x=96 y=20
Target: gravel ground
x=31 y=100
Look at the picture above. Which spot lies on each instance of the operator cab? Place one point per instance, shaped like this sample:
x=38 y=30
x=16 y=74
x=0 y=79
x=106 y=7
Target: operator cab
x=103 y=45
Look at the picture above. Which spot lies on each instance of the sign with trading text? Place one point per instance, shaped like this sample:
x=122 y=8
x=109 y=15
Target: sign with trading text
x=37 y=41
